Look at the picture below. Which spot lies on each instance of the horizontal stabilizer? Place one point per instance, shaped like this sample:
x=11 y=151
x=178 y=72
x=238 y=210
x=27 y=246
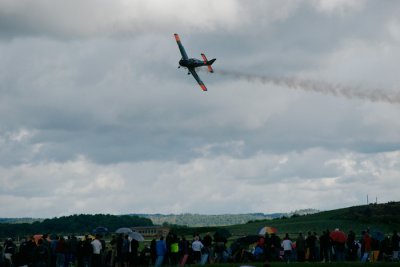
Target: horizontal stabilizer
x=208 y=63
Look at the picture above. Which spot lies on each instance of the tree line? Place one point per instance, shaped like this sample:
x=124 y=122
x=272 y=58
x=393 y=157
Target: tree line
x=73 y=224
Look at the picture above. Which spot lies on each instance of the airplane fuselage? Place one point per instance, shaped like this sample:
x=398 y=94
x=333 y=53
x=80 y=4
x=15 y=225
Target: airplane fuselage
x=191 y=63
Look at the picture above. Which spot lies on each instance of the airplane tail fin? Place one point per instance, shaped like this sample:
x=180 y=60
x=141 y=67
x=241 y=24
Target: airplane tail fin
x=208 y=63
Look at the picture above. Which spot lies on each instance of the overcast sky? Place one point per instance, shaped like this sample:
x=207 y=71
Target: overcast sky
x=95 y=117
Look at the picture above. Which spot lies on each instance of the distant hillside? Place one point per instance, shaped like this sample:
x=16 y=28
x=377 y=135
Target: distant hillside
x=20 y=220
x=200 y=220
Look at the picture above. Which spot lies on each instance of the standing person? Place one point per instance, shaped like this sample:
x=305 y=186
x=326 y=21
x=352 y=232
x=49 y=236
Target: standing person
x=317 y=255
x=134 y=252
x=301 y=247
x=42 y=255
x=197 y=246
x=351 y=246
x=113 y=244
x=275 y=247
x=120 y=242
x=72 y=250
x=184 y=250
x=9 y=250
x=26 y=253
x=61 y=250
x=174 y=250
x=207 y=250
x=97 y=247
x=267 y=247
x=287 y=248
x=395 y=245
x=46 y=243
x=125 y=252
x=375 y=249
x=310 y=242
x=87 y=251
x=161 y=250
x=325 y=246
x=1 y=255
x=365 y=246
x=153 y=251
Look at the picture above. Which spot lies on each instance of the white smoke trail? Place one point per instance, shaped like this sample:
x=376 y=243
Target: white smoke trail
x=374 y=95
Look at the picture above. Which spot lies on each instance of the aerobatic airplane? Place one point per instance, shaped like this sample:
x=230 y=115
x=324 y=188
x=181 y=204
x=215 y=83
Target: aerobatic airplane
x=191 y=63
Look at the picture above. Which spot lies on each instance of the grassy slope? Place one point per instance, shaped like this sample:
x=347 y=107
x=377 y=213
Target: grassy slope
x=385 y=217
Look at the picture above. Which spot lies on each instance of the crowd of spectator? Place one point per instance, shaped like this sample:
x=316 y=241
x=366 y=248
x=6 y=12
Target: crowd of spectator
x=324 y=248
x=122 y=251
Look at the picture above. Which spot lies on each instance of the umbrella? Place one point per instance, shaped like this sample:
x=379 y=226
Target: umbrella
x=377 y=235
x=100 y=230
x=338 y=236
x=222 y=234
x=124 y=230
x=247 y=240
x=267 y=230
x=137 y=236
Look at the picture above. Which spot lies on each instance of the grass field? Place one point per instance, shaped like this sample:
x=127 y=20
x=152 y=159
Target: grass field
x=306 y=264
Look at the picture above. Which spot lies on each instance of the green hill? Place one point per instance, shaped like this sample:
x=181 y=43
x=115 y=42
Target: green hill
x=385 y=217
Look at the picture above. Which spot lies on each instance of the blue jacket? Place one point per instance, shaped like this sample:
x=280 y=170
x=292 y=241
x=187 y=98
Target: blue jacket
x=161 y=248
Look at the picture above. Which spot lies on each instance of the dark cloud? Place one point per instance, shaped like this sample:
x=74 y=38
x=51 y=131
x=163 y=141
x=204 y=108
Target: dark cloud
x=95 y=103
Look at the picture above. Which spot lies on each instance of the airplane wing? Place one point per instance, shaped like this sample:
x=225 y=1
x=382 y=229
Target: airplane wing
x=181 y=48
x=194 y=73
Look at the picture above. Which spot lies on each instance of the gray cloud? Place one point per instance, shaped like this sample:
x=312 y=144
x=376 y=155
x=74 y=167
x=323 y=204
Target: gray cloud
x=92 y=103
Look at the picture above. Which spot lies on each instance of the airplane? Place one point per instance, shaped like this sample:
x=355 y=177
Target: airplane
x=191 y=63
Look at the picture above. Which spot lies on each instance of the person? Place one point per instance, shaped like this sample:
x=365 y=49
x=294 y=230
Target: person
x=61 y=250
x=97 y=247
x=153 y=251
x=113 y=244
x=267 y=247
x=395 y=240
x=125 y=251
x=258 y=252
x=72 y=250
x=365 y=246
x=86 y=251
x=311 y=244
x=120 y=242
x=207 y=249
x=161 y=250
x=134 y=252
x=351 y=246
x=325 y=246
x=174 y=249
x=1 y=255
x=25 y=253
x=275 y=247
x=339 y=247
x=287 y=248
x=9 y=250
x=301 y=247
x=184 y=251
x=375 y=249
x=219 y=248
x=197 y=246
x=42 y=255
